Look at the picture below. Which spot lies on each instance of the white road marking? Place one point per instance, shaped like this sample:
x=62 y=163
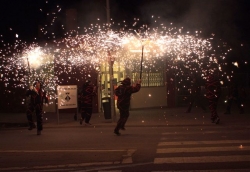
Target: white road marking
x=128 y=158
x=203 y=159
x=111 y=171
x=62 y=150
x=221 y=170
x=191 y=132
x=203 y=149
x=203 y=142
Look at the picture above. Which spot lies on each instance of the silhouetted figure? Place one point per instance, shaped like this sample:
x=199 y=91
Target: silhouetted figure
x=213 y=92
x=86 y=102
x=37 y=96
x=124 y=93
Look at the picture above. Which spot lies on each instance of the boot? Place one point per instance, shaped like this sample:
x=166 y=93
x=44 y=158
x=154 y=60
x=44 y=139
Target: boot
x=32 y=126
x=217 y=120
x=38 y=132
x=117 y=133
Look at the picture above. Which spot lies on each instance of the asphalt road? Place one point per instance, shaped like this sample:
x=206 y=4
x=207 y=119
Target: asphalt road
x=139 y=149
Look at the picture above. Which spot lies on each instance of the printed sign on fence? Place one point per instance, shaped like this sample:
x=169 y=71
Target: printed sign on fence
x=67 y=96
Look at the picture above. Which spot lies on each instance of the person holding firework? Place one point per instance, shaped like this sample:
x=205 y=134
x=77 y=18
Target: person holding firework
x=37 y=96
x=124 y=92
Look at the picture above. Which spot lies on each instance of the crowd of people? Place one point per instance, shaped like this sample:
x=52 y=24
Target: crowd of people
x=213 y=94
x=37 y=97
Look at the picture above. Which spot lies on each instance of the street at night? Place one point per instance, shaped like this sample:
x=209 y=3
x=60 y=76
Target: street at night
x=125 y=85
x=180 y=142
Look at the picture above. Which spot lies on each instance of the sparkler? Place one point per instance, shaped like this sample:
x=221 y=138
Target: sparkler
x=163 y=43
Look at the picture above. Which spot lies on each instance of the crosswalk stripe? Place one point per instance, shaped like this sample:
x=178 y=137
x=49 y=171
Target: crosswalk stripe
x=201 y=131
x=221 y=170
x=203 y=149
x=205 y=146
x=203 y=142
x=111 y=171
x=190 y=132
x=203 y=159
x=61 y=150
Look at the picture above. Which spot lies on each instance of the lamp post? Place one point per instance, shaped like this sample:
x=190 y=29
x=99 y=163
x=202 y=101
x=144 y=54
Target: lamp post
x=111 y=78
x=141 y=60
x=28 y=71
x=28 y=63
x=111 y=63
x=108 y=11
x=27 y=99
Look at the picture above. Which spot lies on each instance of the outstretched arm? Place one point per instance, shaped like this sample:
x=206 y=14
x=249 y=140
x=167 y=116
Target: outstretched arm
x=137 y=87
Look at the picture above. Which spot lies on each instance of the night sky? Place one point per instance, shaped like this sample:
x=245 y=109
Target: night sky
x=227 y=19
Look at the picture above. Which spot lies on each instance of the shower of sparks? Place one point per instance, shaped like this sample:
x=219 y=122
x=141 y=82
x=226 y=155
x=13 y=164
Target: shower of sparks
x=181 y=51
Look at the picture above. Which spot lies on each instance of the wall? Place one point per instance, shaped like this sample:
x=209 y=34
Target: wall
x=149 y=97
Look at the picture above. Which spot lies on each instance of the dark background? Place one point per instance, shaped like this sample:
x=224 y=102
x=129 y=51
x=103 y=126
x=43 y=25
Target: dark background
x=227 y=19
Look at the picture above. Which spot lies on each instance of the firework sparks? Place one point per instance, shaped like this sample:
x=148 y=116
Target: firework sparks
x=161 y=44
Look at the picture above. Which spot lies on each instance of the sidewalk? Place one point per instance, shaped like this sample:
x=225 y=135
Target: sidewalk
x=158 y=117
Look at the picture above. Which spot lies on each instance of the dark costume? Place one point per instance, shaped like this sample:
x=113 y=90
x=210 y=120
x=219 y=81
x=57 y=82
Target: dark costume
x=195 y=96
x=36 y=98
x=213 y=88
x=235 y=96
x=86 y=99
x=124 y=93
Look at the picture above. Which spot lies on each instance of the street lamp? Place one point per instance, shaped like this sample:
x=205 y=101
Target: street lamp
x=111 y=78
x=26 y=57
x=111 y=63
x=141 y=60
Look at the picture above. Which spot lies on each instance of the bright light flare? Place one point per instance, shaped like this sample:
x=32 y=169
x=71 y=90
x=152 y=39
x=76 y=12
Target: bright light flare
x=35 y=56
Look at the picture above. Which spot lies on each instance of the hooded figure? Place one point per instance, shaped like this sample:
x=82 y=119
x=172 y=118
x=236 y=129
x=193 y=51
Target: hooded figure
x=124 y=92
x=37 y=96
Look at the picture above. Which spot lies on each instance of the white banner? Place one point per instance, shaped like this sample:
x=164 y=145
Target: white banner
x=67 y=96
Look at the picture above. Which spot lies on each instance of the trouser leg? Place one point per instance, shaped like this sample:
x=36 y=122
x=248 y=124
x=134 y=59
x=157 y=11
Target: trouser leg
x=29 y=114
x=83 y=114
x=124 y=114
x=229 y=104
x=190 y=104
x=39 y=117
x=213 y=108
x=88 y=115
x=124 y=122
